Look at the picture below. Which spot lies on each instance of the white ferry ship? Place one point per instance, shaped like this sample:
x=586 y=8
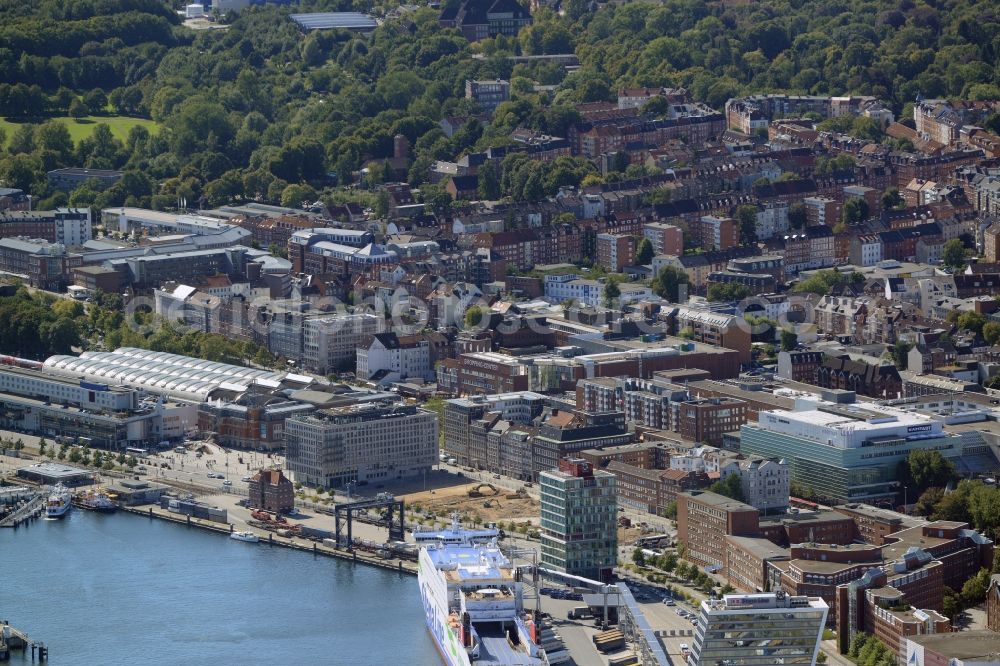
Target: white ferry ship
x=59 y=502
x=474 y=604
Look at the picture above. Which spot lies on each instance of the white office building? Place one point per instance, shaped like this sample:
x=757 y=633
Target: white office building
x=330 y=343
x=372 y=442
x=759 y=629
x=394 y=357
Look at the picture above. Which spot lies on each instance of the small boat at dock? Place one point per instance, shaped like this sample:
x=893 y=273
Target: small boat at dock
x=249 y=537
x=96 y=500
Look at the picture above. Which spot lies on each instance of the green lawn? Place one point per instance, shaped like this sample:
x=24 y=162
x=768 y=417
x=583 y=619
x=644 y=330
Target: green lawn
x=80 y=128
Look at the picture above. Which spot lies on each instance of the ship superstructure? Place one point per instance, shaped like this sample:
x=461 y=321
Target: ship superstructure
x=473 y=599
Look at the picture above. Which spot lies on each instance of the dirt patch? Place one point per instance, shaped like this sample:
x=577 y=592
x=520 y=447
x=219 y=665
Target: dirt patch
x=503 y=506
x=628 y=535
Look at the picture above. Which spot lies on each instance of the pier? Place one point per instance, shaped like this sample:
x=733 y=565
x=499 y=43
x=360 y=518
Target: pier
x=29 y=511
x=272 y=539
x=12 y=639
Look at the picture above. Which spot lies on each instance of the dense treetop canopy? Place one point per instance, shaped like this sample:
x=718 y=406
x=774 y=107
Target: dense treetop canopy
x=247 y=111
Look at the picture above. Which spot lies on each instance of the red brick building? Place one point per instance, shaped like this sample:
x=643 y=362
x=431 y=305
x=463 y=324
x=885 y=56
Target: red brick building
x=993 y=604
x=707 y=420
x=704 y=519
x=270 y=490
x=615 y=251
x=873 y=525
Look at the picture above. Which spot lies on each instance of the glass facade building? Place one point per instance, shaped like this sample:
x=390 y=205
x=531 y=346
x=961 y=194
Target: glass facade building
x=579 y=520
x=764 y=629
x=846 y=455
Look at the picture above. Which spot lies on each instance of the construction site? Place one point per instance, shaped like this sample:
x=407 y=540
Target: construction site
x=485 y=501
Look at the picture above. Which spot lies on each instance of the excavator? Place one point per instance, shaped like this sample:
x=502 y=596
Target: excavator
x=477 y=491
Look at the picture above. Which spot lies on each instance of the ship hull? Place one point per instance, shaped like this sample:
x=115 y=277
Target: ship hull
x=445 y=659
x=447 y=643
x=57 y=511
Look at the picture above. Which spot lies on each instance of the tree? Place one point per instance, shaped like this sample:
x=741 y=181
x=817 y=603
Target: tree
x=951 y=605
x=991 y=332
x=929 y=468
x=95 y=100
x=620 y=161
x=77 y=108
x=644 y=252
x=295 y=195
x=855 y=211
x=974 y=589
x=731 y=487
x=489 y=185
x=928 y=501
x=42 y=446
x=671 y=283
x=382 y=204
x=55 y=137
x=891 y=199
x=473 y=316
x=638 y=557
x=953 y=254
x=821 y=282
x=611 y=293
x=728 y=291
x=746 y=215
x=797 y=216
x=670 y=511
x=900 y=354
x=971 y=321
x=789 y=340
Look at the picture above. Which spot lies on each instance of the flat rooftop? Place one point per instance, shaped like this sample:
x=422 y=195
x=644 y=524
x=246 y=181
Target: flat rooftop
x=884 y=515
x=54 y=470
x=719 y=501
x=334 y=20
x=761 y=548
x=915 y=537
x=980 y=643
x=803 y=517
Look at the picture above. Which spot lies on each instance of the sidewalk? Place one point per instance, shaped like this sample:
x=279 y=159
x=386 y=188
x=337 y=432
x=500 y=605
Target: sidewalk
x=833 y=656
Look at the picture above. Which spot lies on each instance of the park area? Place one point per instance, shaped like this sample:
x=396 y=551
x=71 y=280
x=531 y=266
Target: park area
x=81 y=128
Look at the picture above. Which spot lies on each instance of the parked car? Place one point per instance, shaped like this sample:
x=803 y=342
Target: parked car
x=668 y=601
x=227 y=483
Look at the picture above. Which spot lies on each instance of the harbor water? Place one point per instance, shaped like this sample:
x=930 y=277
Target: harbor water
x=122 y=590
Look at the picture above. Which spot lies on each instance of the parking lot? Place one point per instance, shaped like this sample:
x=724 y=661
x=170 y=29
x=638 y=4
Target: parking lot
x=677 y=629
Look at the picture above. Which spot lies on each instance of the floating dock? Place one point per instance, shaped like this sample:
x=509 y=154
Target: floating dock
x=28 y=511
